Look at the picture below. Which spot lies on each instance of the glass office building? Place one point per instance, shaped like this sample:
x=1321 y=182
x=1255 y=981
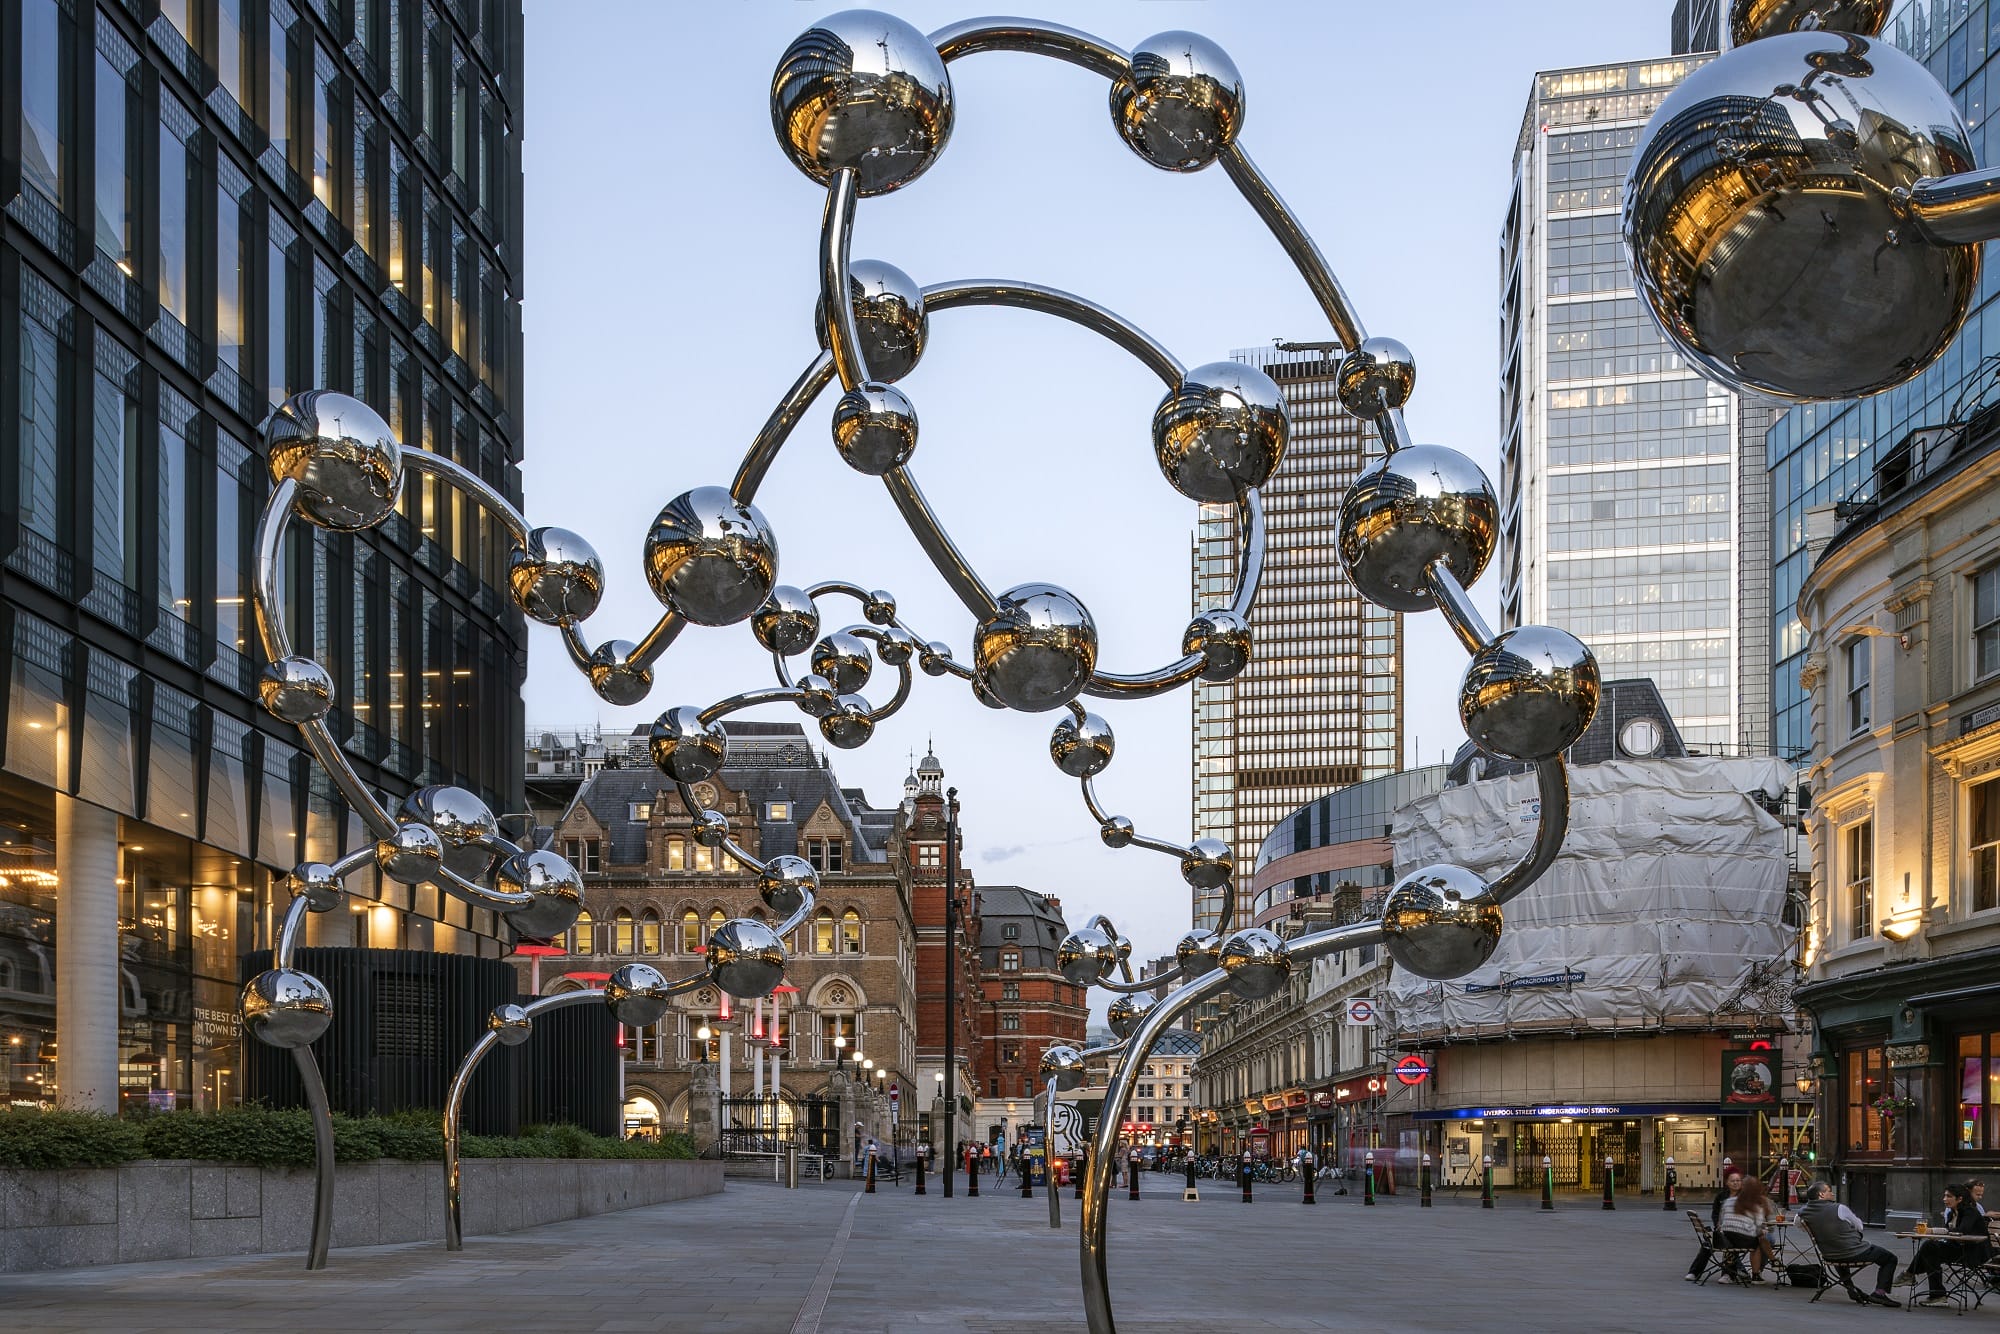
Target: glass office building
x=1321 y=704
x=207 y=205
x=1824 y=453
x=1633 y=507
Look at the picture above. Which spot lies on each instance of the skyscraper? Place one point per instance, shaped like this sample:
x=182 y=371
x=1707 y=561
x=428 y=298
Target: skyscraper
x=205 y=206
x=1321 y=703
x=1633 y=508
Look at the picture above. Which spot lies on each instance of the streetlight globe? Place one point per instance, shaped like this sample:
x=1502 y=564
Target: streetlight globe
x=868 y=1064
x=839 y=1042
x=938 y=1076
x=704 y=1033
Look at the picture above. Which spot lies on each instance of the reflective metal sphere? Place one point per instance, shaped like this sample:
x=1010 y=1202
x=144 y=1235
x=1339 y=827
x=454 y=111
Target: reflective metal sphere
x=1037 y=651
x=711 y=829
x=863 y=90
x=1257 y=961
x=1749 y=20
x=895 y=646
x=785 y=883
x=1198 y=952
x=1223 y=638
x=1086 y=956
x=295 y=690
x=1765 y=225
x=614 y=676
x=1081 y=749
x=462 y=821
x=348 y=465
x=875 y=428
x=746 y=958
x=683 y=747
x=1126 y=1014
x=636 y=994
x=849 y=725
x=1439 y=922
x=283 y=1007
x=411 y=855
x=890 y=323
x=787 y=623
x=1208 y=863
x=1221 y=431
x=880 y=608
x=316 y=883
x=816 y=696
x=1065 y=1065
x=1530 y=693
x=1183 y=103
x=556 y=578
x=935 y=658
x=511 y=1024
x=711 y=558
x=842 y=658
x=1412 y=508
x=1117 y=832
x=556 y=885
x=1376 y=377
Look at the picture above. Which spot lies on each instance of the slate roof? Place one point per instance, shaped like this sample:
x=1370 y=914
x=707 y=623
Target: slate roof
x=1178 y=1042
x=1041 y=927
x=766 y=762
x=1618 y=704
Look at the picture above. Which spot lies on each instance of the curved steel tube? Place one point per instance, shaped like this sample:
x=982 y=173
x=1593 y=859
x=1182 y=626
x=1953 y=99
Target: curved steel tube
x=1250 y=545
x=1957 y=210
x=472 y=484
x=658 y=639
x=900 y=698
x=693 y=803
x=951 y=564
x=479 y=896
x=1063 y=305
x=1263 y=197
x=1553 y=780
x=1252 y=541
x=1033 y=37
x=749 y=699
x=836 y=235
x=1456 y=604
x=764 y=448
x=322 y=1119
x=1099 y=1169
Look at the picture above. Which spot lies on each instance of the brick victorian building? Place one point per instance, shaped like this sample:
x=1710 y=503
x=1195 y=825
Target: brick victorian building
x=1025 y=1005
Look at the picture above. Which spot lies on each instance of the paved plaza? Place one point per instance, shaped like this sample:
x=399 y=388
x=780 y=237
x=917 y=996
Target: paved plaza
x=826 y=1259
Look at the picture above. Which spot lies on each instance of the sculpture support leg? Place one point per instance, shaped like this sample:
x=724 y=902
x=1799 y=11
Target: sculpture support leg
x=322 y=1115
x=454 y=1106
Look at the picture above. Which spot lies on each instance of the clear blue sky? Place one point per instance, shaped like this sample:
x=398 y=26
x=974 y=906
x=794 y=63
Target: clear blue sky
x=670 y=280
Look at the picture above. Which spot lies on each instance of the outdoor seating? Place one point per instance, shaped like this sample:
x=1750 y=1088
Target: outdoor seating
x=1724 y=1257
x=1835 y=1273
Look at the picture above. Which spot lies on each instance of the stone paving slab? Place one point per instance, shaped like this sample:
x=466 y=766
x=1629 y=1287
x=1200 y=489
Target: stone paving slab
x=747 y=1262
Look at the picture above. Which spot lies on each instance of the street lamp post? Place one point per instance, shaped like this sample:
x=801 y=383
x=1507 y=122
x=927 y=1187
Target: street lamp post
x=950 y=976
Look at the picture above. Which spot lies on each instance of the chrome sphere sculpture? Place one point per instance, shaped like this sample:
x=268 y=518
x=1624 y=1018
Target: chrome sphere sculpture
x=1439 y=922
x=863 y=104
x=1804 y=213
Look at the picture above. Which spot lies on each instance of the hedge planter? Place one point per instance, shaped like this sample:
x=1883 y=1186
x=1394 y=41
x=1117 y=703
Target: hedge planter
x=159 y=1209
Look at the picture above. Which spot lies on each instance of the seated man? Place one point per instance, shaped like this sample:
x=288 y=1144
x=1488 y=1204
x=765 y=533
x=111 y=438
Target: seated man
x=1965 y=1223
x=1837 y=1233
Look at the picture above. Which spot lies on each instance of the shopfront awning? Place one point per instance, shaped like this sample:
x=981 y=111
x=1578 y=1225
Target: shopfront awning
x=1578 y=1111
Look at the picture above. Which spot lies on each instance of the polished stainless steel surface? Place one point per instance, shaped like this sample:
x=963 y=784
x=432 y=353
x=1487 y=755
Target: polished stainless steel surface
x=788 y=622
x=1256 y=962
x=470 y=483
x=285 y=1007
x=1298 y=246
x=683 y=747
x=1038 y=649
x=746 y=958
x=1221 y=431
x=1077 y=310
x=1180 y=103
x=510 y=1024
x=1222 y=640
x=1767 y=220
x=1530 y=693
x=1957 y=210
x=1409 y=510
x=711 y=557
x=347 y=464
x=410 y=855
x=1063 y=1066
x=1207 y=863
x=1082 y=744
x=888 y=321
x=777 y=428
x=866 y=91
x=295 y=690
x=1552 y=783
x=554 y=886
x=1376 y=378
x=949 y=561
x=1439 y=922
x=462 y=822
x=1086 y=956
x=875 y=427
x=1125 y=1015
x=616 y=673
x=1198 y=952
x=1455 y=603
x=1749 y=20
x=555 y=576
x=843 y=659
x=787 y=885
x=319 y=885
x=972 y=36
x=322 y=1119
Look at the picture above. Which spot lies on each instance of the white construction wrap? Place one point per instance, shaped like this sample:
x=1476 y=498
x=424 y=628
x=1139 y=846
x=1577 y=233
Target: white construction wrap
x=1669 y=889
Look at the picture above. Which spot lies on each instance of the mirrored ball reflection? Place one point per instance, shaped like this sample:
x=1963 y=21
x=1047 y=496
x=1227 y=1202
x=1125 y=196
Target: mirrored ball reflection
x=890 y=323
x=864 y=90
x=1408 y=510
x=1221 y=431
x=711 y=557
x=1182 y=104
x=347 y=463
x=1037 y=651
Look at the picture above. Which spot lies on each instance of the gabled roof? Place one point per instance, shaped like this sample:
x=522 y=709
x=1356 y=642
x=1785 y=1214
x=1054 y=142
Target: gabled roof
x=1039 y=927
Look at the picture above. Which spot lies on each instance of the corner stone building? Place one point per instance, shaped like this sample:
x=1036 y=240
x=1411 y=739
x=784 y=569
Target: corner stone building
x=653 y=895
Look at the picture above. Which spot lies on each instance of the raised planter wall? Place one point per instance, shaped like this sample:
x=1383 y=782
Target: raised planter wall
x=173 y=1210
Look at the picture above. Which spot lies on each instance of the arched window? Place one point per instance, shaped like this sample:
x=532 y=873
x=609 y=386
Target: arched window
x=586 y=935
x=621 y=931
x=649 y=932
x=850 y=932
x=823 y=932
x=690 y=931
x=715 y=920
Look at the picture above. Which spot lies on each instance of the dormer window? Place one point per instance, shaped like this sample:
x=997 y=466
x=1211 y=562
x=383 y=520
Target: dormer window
x=640 y=810
x=778 y=810
x=1011 y=931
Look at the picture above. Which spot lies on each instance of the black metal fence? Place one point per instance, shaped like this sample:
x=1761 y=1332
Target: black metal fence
x=765 y=1125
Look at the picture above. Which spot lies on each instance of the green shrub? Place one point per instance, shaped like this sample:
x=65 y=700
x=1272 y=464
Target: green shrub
x=67 y=1139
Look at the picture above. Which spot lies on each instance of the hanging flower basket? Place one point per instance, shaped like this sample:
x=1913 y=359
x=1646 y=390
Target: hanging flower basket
x=1891 y=1106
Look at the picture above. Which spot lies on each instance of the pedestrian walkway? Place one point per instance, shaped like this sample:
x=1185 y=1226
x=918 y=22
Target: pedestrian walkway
x=827 y=1259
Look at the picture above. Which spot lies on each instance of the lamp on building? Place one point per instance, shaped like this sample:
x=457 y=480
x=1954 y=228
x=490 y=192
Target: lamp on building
x=839 y=1045
x=1904 y=919
x=1805 y=1083
x=702 y=1035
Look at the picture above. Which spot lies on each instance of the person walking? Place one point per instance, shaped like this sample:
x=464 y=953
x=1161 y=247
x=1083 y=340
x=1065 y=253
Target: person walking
x=1837 y=1232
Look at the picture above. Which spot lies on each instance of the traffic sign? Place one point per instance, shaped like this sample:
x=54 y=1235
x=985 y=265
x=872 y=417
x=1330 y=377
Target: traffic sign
x=1361 y=1011
x=895 y=1094
x=1413 y=1070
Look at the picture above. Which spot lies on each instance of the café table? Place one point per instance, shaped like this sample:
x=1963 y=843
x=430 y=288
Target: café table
x=1953 y=1288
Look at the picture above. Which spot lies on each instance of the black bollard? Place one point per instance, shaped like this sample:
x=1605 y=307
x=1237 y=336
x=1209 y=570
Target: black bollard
x=920 y=1172
x=1672 y=1181
x=1548 y=1184
x=1309 y=1166
x=1368 y=1179
x=1189 y=1193
x=1424 y=1184
x=972 y=1177
x=1132 y=1176
x=1609 y=1203
x=1486 y=1190
x=870 y=1189
x=1244 y=1171
x=1076 y=1171
x=1027 y=1179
